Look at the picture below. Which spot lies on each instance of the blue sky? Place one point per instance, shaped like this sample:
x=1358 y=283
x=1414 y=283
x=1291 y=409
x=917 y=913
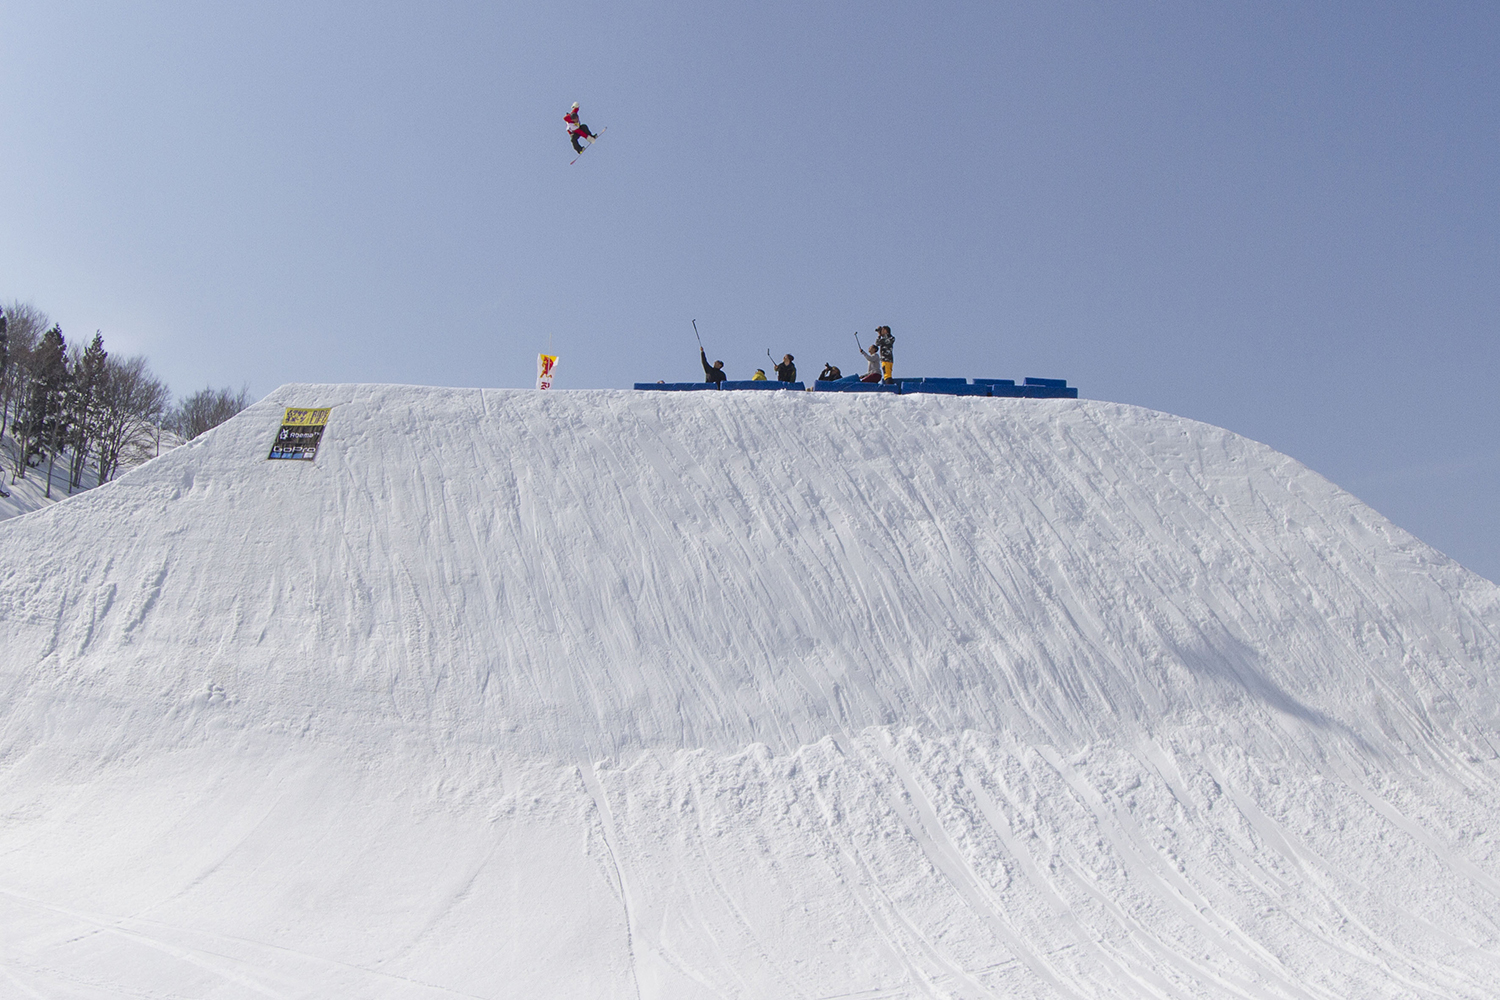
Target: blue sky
x=1280 y=218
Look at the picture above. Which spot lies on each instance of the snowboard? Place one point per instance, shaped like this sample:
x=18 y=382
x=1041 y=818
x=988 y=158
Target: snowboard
x=586 y=148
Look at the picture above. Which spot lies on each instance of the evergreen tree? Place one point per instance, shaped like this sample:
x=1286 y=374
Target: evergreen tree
x=83 y=395
x=42 y=423
x=4 y=345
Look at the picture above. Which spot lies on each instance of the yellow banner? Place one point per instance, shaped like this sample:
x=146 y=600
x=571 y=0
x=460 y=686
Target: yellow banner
x=305 y=417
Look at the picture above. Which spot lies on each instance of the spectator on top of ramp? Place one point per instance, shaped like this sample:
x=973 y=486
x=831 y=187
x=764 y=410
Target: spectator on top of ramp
x=711 y=373
x=885 y=343
x=872 y=359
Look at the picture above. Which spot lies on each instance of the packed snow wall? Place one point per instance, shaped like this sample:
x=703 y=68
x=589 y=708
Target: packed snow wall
x=786 y=694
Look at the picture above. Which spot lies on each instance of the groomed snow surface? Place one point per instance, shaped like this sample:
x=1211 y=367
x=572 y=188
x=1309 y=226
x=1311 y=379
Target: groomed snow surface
x=639 y=695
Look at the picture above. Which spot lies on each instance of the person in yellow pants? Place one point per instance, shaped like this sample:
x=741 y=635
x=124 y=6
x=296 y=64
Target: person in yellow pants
x=886 y=345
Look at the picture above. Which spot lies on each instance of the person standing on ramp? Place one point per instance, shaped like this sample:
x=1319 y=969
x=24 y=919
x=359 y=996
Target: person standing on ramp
x=714 y=372
x=886 y=345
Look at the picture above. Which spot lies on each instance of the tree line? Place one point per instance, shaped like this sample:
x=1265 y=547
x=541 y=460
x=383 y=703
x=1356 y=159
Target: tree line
x=79 y=406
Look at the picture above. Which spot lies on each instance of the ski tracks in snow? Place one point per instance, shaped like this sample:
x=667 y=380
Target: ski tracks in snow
x=918 y=697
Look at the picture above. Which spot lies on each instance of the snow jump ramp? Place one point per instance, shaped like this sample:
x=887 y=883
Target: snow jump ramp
x=640 y=695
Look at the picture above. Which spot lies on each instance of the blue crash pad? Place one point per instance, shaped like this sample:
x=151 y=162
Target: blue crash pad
x=842 y=386
x=765 y=384
x=945 y=389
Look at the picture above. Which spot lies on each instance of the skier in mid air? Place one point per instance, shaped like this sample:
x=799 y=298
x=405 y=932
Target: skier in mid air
x=577 y=130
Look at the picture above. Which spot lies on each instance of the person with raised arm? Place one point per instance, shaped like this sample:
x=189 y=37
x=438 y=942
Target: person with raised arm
x=872 y=360
x=786 y=371
x=714 y=372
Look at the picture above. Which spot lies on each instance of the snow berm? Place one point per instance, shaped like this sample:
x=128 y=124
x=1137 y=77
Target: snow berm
x=639 y=695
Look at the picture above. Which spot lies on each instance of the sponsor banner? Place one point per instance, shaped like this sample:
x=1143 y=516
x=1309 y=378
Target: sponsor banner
x=301 y=430
x=545 y=363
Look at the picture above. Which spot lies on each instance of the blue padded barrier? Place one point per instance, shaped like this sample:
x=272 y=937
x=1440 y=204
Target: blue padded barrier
x=765 y=384
x=842 y=386
x=1035 y=388
x=945 y=389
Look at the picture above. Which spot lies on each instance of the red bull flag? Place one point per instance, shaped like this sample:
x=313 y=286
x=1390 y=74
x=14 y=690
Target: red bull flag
x=545 y=364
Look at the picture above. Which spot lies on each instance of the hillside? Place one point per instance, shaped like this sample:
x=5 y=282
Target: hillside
x=22 y=496
x=784 y=694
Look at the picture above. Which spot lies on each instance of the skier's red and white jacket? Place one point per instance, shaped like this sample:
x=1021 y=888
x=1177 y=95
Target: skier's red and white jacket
x=572 y=119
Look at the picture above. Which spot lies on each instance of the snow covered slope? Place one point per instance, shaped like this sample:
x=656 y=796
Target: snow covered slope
x=756 y=694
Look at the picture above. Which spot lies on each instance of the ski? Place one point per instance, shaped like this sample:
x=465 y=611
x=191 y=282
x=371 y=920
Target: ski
x=591 y=143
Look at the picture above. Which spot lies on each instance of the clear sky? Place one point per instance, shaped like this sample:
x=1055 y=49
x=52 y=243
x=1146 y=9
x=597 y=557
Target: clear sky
x=1277 y=217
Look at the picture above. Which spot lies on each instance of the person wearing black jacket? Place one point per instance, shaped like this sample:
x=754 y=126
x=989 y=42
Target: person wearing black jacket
x=713 y=373
x=786 y=371
x=886 y=345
